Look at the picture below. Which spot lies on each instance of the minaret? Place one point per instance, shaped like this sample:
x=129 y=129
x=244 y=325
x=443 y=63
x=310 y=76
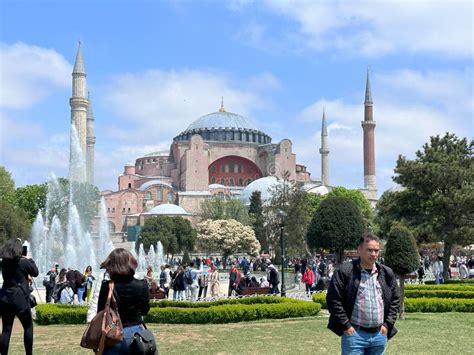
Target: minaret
x=324 y=151
x=90 y=140
x=79 y=105
x=368 y=125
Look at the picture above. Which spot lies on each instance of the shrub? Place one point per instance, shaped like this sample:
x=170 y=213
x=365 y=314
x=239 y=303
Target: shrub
x=466 y=281
x=439 y=305
x=439 y=293
x=60 y=314
x=452 y=287
x=246 y=300
x=320 y=297
x=232 y=313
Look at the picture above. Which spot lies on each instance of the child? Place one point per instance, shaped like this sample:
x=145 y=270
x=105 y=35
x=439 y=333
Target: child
x=421 y=273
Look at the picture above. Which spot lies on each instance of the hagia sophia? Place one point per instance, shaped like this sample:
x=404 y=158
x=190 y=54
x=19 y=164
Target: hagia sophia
x=219 y=154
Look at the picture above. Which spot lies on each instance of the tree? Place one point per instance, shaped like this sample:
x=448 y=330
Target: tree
x=337 y=225
x=158 y=228
x=401 y=254
x=176 y=234
x=227 y=236
x=13 y=222
x=219 y=208
x=256 y=215
x=439 y=191
x=358 y=197
x=7 y=186
x=31 y=198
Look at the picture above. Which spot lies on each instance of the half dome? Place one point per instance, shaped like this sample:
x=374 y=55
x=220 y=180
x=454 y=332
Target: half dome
x=168 y=209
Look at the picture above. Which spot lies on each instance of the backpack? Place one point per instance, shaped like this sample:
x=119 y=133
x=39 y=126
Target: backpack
x=188 y=277
x=162 y=278
x=46 y=281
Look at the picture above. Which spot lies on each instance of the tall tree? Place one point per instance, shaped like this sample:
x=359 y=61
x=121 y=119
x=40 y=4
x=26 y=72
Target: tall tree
x=358 y=197
x=158 y=228
x=7 y=186
x=256 y=215
x=185 y=234
x=13 y=222
x=337 y=225
x=227 y=236
x=31 y=198
x=401 y=254
x=439 y=191
x=219 y=208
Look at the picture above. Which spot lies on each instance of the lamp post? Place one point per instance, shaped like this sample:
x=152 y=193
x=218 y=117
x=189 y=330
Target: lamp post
x=282 y=215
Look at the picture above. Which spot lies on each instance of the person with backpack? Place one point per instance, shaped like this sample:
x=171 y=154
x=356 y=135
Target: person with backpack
x=191 y=278
x=61 y=282
x=49 y=282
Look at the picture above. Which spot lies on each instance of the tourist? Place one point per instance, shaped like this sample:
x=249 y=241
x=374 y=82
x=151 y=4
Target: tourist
x=61 y=282
x=308 y=279
x=130 y=294
x=15 y=293
x=193 y=287
x=438 y=270
x=363 y=301
x=463 y=271
x=273 y=279
x=421 y=273
x=203 y=284
x=234 y=279
x=81 y=284
x=149 y=275
x=214 y=281
x=66 y=295
x=90 y=282
x=49 y=282
x=264 y=282
x=179 y=285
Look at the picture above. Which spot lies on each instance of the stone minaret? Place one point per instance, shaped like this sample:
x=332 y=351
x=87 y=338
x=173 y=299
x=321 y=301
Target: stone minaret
x=324 y=151
x=79 y=106
x=368 y=125
x=90 y=141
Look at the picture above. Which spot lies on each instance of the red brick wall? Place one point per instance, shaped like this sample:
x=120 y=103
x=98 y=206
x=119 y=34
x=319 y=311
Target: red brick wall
x=241 y=170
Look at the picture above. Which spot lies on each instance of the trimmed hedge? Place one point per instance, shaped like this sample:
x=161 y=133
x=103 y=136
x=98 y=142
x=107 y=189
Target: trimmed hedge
x=177 y=312
x=320 y=297
x=60 y=314
x=439 y=294
x=465 y=287
x=447 y=282
x=439 y=305
x=232 y=313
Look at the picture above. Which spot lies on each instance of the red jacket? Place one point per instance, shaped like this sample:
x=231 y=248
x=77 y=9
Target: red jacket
x=308 y=277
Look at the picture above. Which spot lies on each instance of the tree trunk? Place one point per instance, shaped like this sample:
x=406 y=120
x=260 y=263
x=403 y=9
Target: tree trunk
x=446 y=256
x=402 y=297
x=339 y=256
x=224 y=260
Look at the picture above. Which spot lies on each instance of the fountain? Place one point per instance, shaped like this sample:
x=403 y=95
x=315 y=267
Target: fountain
x=67 y=243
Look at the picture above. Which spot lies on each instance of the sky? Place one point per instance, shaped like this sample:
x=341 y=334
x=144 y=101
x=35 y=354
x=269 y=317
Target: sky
x=153 y=67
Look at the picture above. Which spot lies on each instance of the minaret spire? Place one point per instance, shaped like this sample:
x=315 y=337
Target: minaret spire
x=368 y=126
x=324 y=151
x=222 y=105
x=79 y=67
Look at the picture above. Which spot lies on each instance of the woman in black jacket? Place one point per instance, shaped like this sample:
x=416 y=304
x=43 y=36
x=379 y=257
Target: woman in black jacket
x=131 y=296
x=15 y=293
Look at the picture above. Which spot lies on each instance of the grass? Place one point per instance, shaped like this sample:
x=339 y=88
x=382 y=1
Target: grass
x=420 y=333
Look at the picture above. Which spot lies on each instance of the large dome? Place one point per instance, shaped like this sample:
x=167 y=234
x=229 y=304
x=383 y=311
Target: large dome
x=224 y=126
x=221 y=120
x=264 y=185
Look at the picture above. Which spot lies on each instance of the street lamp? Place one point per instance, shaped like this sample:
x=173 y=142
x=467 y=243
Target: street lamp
x=282 y=215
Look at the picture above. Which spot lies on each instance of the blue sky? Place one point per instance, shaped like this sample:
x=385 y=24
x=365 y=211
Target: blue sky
x=154 y=67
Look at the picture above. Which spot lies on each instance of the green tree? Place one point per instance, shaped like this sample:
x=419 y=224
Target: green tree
x=401 y=254
x=358 y=197
x=7 y=186
x=31 y=198
x=185 y=234
x=13 y=222
x=439 y=192
x=219 y=208
x=227 y=236
x=337 y=225
x=158 y=228
x=256 y=215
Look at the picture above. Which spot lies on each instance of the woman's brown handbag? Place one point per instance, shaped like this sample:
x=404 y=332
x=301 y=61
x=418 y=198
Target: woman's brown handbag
x=105 y=329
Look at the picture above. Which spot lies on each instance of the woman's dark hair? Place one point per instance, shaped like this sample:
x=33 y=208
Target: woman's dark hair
x=88 y=268
x=62 y=274
x=120 y=262
x=11 y=249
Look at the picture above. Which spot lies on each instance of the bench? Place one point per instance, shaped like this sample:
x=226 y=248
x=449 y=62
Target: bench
x=158 y=295
x=256 y=291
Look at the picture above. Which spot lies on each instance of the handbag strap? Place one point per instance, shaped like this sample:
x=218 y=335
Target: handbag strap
x=107 y=306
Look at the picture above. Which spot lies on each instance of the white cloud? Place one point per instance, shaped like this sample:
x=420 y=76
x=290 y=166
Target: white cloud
x=157 y=105
x=30 y=73
x=372 y=28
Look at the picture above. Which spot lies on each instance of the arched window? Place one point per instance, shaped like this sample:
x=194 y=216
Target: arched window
x=159 y=194
x=213 y=180
x=241 y=182
x=231 y=181
x=129 y=185
x=148 y=195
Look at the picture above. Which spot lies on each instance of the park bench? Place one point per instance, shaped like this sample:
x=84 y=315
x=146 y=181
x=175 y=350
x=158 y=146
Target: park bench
x=256 y=291
x=158 y=295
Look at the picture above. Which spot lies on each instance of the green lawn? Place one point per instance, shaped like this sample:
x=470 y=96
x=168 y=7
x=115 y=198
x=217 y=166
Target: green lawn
x=420 y=333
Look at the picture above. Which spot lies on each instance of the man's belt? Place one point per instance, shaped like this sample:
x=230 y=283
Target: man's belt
x=367 y=330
